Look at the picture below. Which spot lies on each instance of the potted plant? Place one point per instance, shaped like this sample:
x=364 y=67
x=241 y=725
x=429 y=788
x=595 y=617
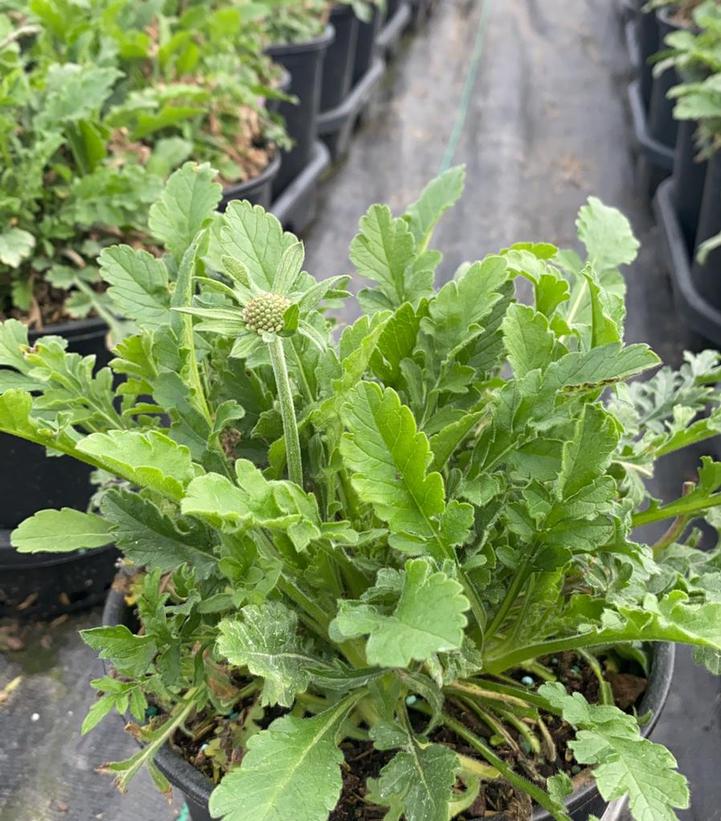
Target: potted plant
x=96 y=112
x=351 y=72
x=655 y=127
x=409 y=546
x=297 y=36
x=191 y=82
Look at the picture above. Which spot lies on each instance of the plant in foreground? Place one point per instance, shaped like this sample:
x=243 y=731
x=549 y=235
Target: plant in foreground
x=362 y=539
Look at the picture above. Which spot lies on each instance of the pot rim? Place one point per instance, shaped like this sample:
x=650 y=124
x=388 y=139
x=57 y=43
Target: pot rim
x=198 y=787
x=318 y=43
x=76 y=329
x=10 y=559
x=266 y=175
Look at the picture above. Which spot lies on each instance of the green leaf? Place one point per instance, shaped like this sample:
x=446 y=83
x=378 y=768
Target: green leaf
x=139 y=286
x=253 y=502
x=624 y=763
x=464 y=304
x=129 y=654
x=607 y=235
x=428 y=619
x=60 y=531
x=389 y=460
x=189 y=199
x=290 y=770
x=529 y=342
x=599 y=366
x=151 y=459
x=16 y=245
x=606 y=323
x=588 y=453
x=265 y=640
x=254 y=237
x=384 y=250
x=151 y=539
x=436 y=198
x=419 y=780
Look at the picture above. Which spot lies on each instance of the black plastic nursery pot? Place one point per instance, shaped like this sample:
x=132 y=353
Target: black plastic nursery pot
x=366 y=43
x=689 y=175
x=336 y=126
x=697 y=287
x=296 y=207
x=662 y=125
x=420 y=12
x=398 y=16
x=655 y=155
x=44 y=585
x=30 y=480
x=196 y=787
x=649 y=42
x=339 y=59
x=258 y=190
x=304 y=64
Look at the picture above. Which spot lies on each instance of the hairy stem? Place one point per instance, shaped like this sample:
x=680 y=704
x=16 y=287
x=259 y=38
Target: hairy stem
x=287 y=410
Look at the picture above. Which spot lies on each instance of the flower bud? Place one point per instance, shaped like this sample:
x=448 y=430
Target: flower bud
x=264 y=313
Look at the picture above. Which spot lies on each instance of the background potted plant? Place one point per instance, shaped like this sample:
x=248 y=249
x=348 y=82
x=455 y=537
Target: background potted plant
x=98 y=106
x=374 y=546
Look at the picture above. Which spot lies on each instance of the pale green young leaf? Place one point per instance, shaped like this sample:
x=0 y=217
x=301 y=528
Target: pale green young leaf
x=256 y=239
x=607 y=235
x=606 y=319
x=152 y=459
x=253 y=502
x=265 y=639
x=428 y=619
x=436 y=198
x=13 y=341
x=60 y=531
x=272 y=782
x=139 y=285
x=624 y=763
x=289 y=269
x=419 y=780
x=16 y=245
x=189 y=199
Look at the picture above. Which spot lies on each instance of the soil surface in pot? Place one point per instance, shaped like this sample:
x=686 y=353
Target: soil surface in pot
x=215 y=743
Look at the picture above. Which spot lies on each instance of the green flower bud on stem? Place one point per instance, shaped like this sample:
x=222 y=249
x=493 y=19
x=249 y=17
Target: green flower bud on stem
x=264 y=313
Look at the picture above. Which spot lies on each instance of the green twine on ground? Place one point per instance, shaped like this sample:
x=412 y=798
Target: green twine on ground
x=184 y=814
x=464 y=103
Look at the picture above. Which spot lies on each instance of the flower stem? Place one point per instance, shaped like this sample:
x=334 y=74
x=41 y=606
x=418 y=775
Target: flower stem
x=287 y=411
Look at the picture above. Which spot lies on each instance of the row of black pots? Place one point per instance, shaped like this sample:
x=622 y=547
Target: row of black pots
x=688 y=203
x=688 y=211
x=585 y=801
x=338 y=69
x=655 y=127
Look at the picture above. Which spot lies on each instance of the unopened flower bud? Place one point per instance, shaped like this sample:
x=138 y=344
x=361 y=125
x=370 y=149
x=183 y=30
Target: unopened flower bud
x=264 y=313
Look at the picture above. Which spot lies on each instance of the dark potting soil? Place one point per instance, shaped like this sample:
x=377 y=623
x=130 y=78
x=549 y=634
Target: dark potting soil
x=213 y=744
